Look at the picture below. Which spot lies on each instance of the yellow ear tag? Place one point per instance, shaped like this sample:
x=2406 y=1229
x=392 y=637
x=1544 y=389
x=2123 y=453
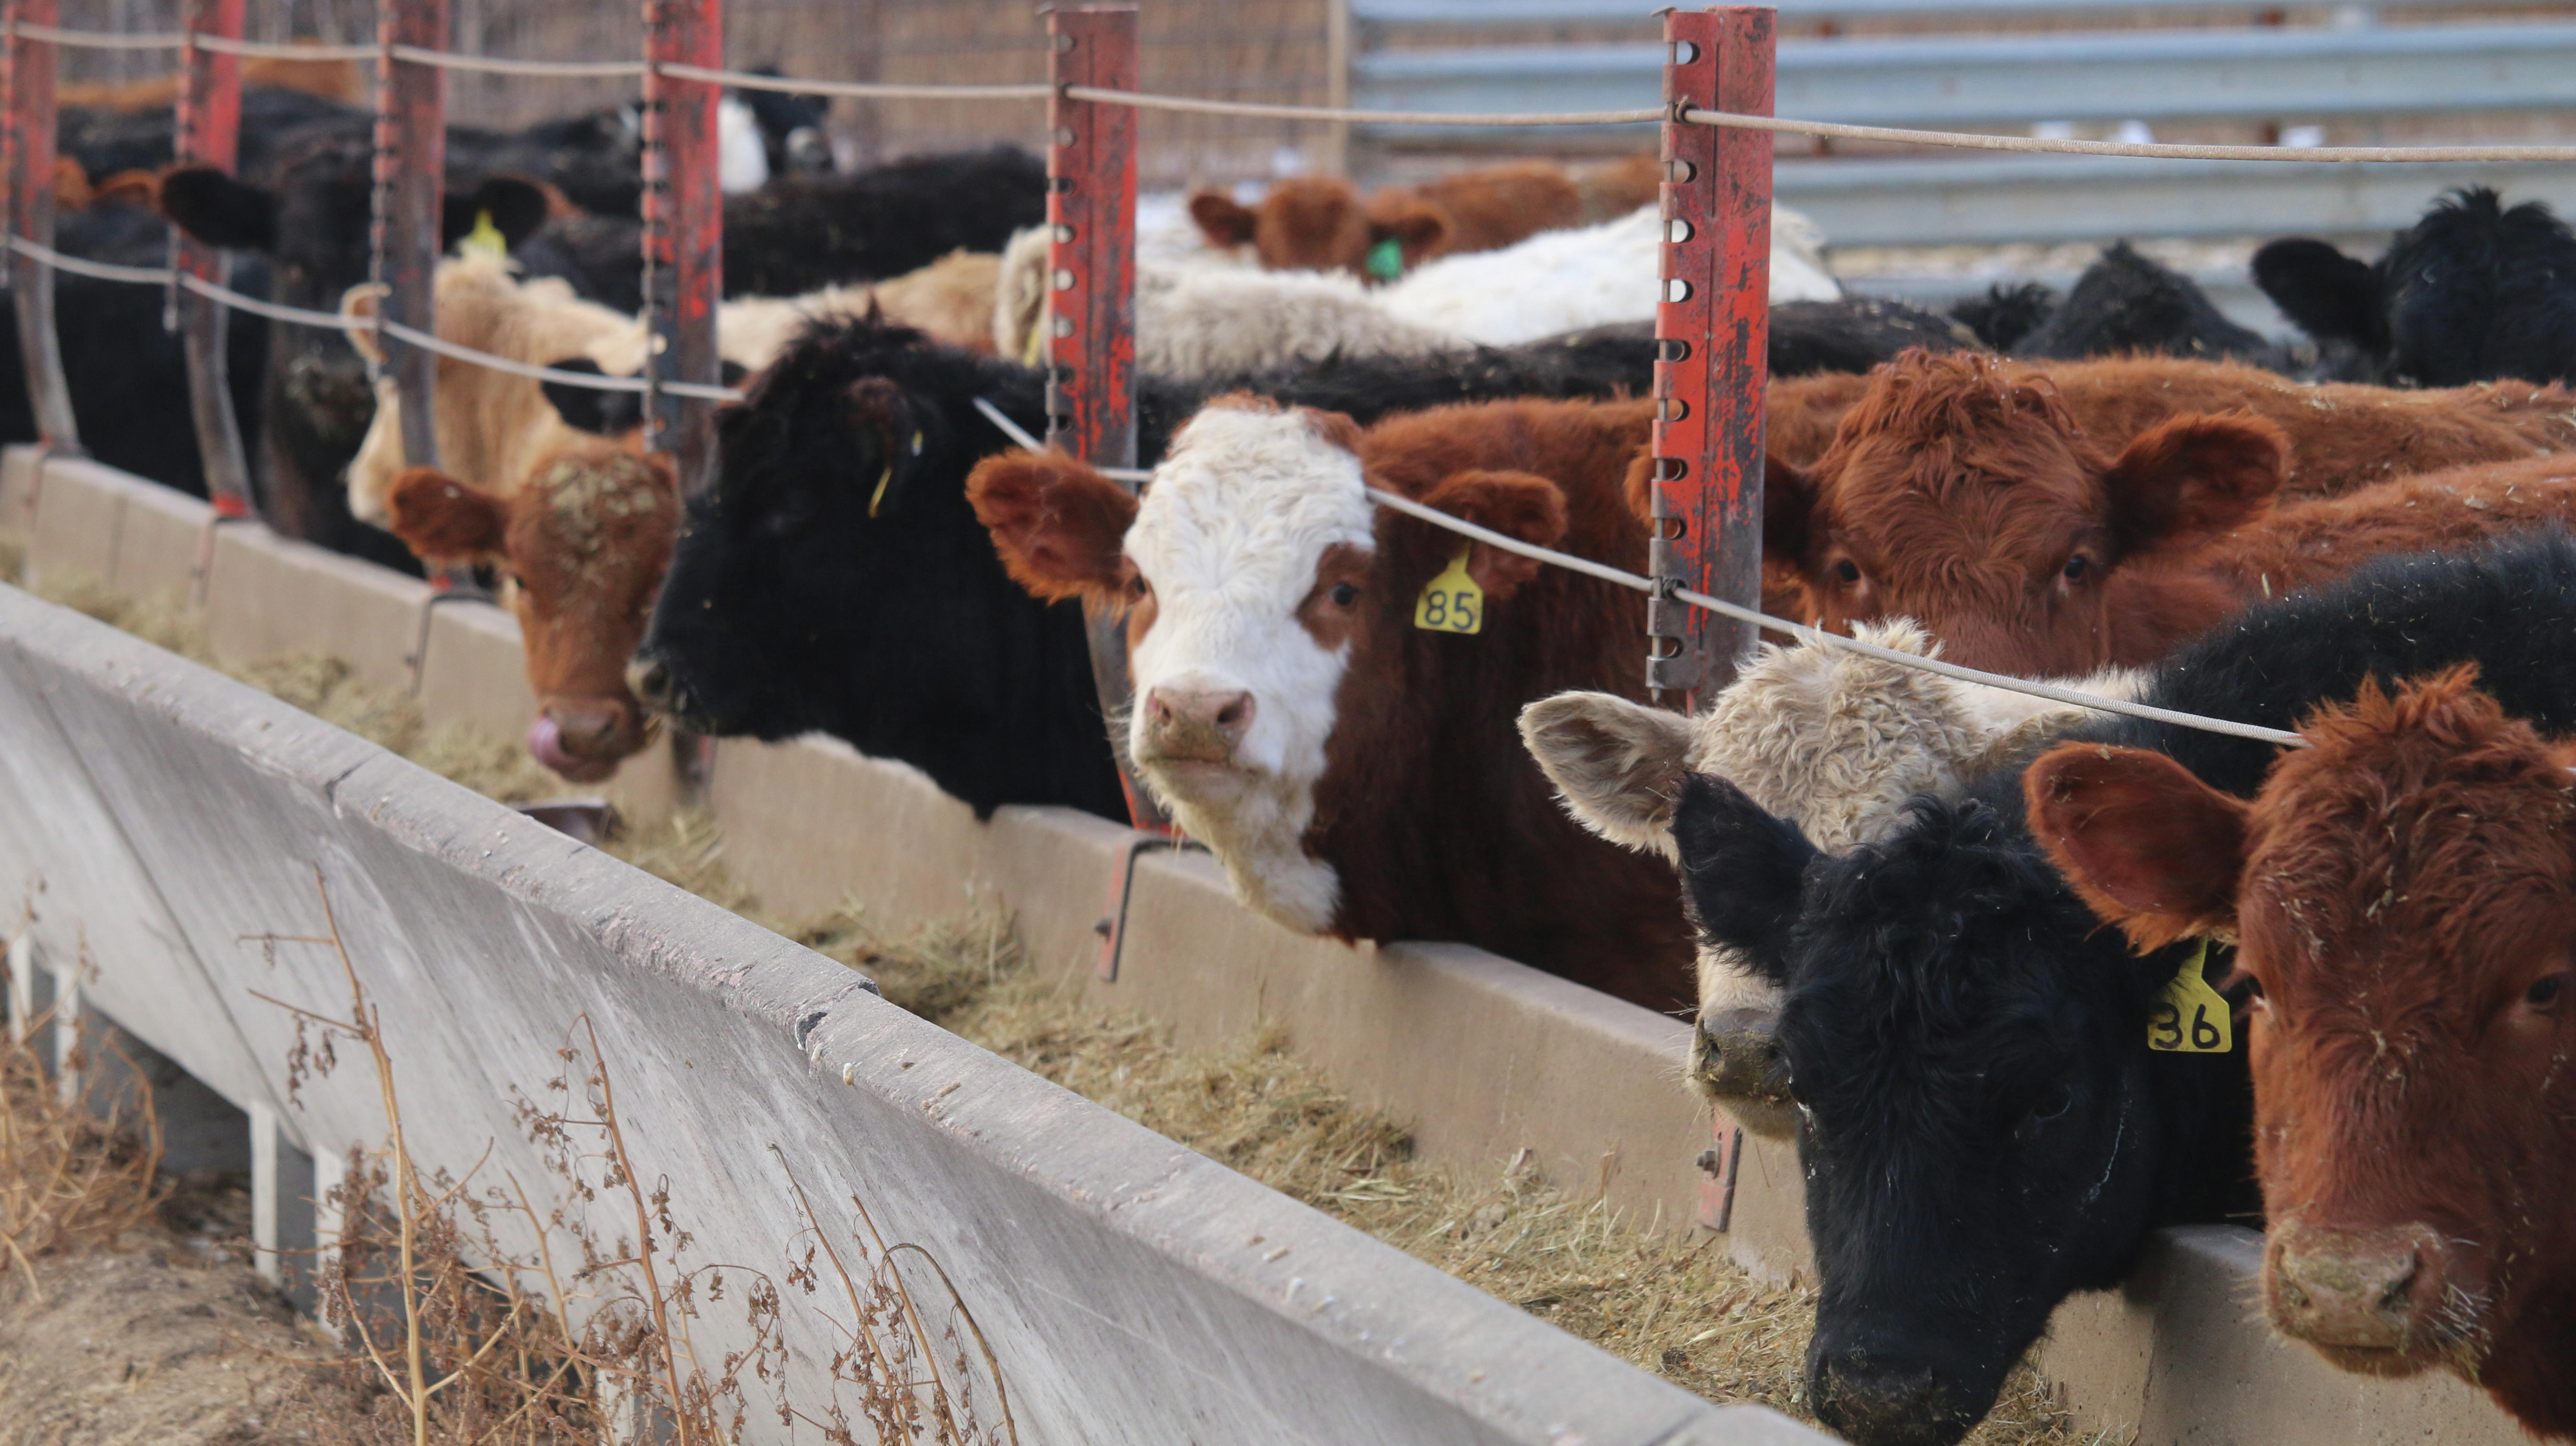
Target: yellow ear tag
x=2189 y=1017
x=486 y=237
x=1452 y=603
x=876 y=499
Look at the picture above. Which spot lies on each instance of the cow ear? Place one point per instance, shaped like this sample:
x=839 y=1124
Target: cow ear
x=129 y=188
x=1615 y=764
x=218 y=210
x=2325 y=293
x=2184 y=480
x=1059 y=525
x=358 y=307
x=517 y=208
x=1419 y=227
x=444 y=520
x=1744 y=870
x=2149 y=847
x=1223 y=220
x=1520 y=505
x=1788 y=510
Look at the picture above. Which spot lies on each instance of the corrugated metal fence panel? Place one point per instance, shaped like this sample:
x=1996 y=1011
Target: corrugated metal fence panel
x=1987 y=199
x=2290 y=75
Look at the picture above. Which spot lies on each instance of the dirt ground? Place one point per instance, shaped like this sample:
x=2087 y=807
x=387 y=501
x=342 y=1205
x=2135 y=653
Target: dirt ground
x=169 y=1339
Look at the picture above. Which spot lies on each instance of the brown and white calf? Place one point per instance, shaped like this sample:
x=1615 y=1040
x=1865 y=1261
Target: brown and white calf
x=1359 y=776
x=1836 y=742
x=585 y=538
x=2403 y=895
x=2034 y=518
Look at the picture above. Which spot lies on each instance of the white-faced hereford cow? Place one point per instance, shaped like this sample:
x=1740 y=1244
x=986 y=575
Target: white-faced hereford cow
x=1359 y=776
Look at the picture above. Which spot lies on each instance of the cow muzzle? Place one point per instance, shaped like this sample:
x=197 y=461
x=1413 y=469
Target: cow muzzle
x=2374 y=1301
x=585 y=739
x=1876 y=1402
x=1736 y=1061
x=1194 y=725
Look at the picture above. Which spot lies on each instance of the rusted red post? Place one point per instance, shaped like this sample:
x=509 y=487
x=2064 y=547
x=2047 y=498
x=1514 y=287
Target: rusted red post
x=31 y=215
x=411 y=193
x=1091 y=207
x=683 y=227
x=210 y=135
x=1712 y=339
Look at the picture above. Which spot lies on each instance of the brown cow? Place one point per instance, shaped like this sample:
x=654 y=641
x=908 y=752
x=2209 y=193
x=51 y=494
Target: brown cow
x=1358 y=775
x=586 y=538
x=1984 y=498
x=1320 y=223
x=2404 y=891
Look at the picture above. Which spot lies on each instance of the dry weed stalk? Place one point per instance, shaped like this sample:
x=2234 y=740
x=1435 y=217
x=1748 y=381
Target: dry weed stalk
x=78 y=1160
x=474 y=1341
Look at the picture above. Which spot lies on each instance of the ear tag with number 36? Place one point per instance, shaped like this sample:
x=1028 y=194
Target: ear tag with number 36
x=1451 y=602
x=2189 y=1017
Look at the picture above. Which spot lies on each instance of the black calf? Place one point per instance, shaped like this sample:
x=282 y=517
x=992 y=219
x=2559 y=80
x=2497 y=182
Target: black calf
x=2124 y=303
x=2473 y=292
x=1982 y=1126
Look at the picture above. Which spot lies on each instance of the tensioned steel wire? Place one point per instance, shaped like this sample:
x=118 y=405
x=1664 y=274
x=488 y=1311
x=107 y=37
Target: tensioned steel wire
x=1815 y=637
x=162 y=276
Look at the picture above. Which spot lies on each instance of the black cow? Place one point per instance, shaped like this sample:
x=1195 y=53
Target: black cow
x=315 y=399
x=835 y=579
x=802 y=233
x=107 y=141
x=2123 y=304
x=1982 y=1125
x=2473 y=292
x=125 y=373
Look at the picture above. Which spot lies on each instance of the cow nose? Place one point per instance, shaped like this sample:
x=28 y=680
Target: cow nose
x=2373 y=1290
x=591 y=727
x=1882 y=1403
x=1201 y=725
x=650 y=680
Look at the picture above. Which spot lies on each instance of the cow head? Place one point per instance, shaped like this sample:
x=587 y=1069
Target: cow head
x=1307 y=223
x=587 y=538
x=1252 y=573
x=2404 y=890
x=1837 y=742
x=1960 y=492
x=830 y=547
x=1977 y=1119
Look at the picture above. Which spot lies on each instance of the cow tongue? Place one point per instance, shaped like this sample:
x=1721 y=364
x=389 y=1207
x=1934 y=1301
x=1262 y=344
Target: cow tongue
x=545 y=740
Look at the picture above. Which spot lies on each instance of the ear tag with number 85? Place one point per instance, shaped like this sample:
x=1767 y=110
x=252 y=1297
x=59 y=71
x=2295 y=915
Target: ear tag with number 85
x=2189 y=1017
x=1451 y=602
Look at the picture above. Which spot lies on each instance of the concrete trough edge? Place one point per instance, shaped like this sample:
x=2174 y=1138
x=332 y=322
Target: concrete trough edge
x=2120 y=1361
x=1475 y=1368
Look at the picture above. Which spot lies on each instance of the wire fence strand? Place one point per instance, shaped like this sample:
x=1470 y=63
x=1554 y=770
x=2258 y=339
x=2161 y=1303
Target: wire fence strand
x=495 y=65
x=1814 y=637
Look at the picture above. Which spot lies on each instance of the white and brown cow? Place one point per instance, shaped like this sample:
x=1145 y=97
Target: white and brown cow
x=1357 y=775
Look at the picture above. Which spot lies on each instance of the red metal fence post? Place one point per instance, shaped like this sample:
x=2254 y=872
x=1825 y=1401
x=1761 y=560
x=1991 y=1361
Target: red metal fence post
x=1712 y=339
x=411 y=194
x=210 y=135
x=683 y=228
x=1091 y=208
x=31 y=215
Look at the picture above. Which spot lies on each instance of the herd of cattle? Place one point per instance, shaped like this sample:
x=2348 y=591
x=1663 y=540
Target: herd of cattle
x=2025 y=981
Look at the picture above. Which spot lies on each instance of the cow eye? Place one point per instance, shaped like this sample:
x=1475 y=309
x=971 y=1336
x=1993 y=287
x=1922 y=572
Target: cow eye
x=1138 y=587
x=1847 y=571
x=1343 y=594
x=2545 y=990
x=2053 y=1105
x=2077 y=566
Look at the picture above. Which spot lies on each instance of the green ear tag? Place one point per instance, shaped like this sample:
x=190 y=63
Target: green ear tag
x=1451 y=602
x=1385 y=260
x=2189 y=1017
x=486 y=237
